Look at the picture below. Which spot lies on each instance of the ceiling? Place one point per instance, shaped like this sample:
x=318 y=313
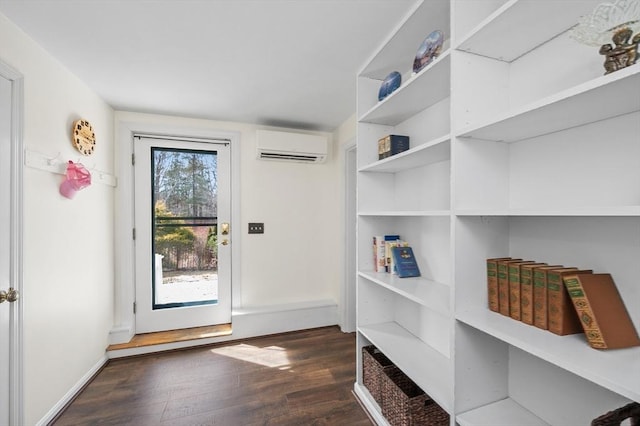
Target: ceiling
x=290 y=63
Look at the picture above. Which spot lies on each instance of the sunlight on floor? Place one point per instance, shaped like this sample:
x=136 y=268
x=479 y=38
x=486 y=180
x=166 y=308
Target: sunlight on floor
x=270 y=356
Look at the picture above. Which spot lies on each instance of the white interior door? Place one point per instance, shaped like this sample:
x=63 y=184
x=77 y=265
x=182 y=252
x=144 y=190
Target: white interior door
x=183 y=238
x=10 y=247
x=5 y=249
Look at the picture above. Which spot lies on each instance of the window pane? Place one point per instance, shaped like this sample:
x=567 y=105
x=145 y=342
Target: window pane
x=184 y=227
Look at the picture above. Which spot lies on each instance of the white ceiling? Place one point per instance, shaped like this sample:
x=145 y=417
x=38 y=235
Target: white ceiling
x=290 y=63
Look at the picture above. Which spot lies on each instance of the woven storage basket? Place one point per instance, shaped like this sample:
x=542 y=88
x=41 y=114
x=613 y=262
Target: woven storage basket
x=405 y=404
x=374 y=364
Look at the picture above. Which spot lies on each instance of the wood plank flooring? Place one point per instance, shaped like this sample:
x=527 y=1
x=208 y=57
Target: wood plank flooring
x=299 y=378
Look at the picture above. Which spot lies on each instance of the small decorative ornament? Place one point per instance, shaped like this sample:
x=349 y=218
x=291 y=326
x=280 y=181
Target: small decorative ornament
x=428 y=50
x=616 y=21
x=390 y=84
x=83 y=136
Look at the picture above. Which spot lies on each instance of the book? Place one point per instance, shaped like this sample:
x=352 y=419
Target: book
x=492 y=282
x=389 y=244
x=405 y=262
x=561 y=315
x=540 y=306
x=379 y=259
x=526 y=291
x=603 y=315
x=392 y=145
x=503 y=285
x=515 y=282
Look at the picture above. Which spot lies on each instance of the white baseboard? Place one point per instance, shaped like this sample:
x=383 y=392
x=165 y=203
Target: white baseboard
x=121 y=334
x=68 y=397
x=257 y=321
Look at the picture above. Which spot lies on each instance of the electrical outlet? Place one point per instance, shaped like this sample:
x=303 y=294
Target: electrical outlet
x=256 y=228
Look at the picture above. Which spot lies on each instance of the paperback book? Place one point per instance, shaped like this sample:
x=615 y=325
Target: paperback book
x=405 y=262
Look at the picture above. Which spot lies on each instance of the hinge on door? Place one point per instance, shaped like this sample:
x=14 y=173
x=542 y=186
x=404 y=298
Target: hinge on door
x=133 y=233
x=134 y=307
x=133 y=159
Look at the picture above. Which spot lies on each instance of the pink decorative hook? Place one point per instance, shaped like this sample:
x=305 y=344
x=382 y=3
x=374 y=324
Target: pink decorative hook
x=77 y=177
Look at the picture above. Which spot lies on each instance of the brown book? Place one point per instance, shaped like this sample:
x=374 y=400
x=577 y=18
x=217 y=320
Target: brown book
x=604 y=317
x=492 y=282
x=503 y=285
x=540 y=318
x=515 y=282
x=526 y=291
x=561 y=315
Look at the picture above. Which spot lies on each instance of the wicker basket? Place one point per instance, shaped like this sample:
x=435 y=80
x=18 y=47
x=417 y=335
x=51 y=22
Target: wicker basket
x=616 y=417
x=374 y=364
x=405 y=404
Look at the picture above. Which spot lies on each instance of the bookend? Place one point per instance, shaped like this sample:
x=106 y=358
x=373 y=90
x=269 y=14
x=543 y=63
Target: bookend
x=616 y=417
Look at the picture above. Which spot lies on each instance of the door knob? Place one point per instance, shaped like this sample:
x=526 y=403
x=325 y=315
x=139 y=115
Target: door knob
x=10 y=295
x=224 y=242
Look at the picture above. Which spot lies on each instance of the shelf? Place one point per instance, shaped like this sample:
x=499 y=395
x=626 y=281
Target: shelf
x=428 y=153
x=372 y=407
x=605 y=97
x=401 y=47
x=505 y=412
x=428 y=368
x=517 y=27
x=428 y=87
x=596 y=211
x=397 y=213
x=431 y=294
x=571 y=353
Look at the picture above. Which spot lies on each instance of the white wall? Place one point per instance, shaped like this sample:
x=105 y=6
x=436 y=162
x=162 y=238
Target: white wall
x=68 y=244
x=295 y=259
x=68 y=294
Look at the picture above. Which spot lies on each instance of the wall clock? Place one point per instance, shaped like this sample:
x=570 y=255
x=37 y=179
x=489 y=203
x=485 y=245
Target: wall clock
x=84 y=139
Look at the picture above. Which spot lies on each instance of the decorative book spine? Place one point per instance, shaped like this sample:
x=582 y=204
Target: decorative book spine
x=378 y=254
x=526 y=292
x=515 y=271
x=540 y=297
x=492 y=283
x=562 y=317
x=503 y=287
x=504 y=272
x=585 y=313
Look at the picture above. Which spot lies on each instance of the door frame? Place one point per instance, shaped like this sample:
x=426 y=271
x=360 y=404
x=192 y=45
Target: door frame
x=16 y=389
x=350 y=208
x=124 y=318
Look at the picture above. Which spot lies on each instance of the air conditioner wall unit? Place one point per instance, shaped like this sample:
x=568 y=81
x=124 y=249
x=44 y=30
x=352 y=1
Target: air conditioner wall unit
x=289 y=146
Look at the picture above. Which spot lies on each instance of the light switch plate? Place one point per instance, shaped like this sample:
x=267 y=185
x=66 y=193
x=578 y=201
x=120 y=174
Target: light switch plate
x=256 y=227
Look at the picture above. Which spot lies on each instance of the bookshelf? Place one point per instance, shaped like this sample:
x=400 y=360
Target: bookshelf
x=520 y=146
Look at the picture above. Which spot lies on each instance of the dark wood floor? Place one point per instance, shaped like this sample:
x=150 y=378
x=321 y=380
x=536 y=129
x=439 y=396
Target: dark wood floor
x=301 y=378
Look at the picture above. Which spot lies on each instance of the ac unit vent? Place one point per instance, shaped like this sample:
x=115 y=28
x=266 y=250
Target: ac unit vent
x=288 y=146
x=275 y=156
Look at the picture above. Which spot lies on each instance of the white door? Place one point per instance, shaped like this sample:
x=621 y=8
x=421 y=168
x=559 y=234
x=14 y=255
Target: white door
x=182 y=233
x=10 y=232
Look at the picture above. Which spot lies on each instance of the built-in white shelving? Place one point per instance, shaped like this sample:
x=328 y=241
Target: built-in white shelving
x=412 y=356
x=431 y=294
x=568 y=352
x=600 y=99
x=421 y=155
x=521 y=147
x=505 y=412
x=415 y=95
x=519 y=27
